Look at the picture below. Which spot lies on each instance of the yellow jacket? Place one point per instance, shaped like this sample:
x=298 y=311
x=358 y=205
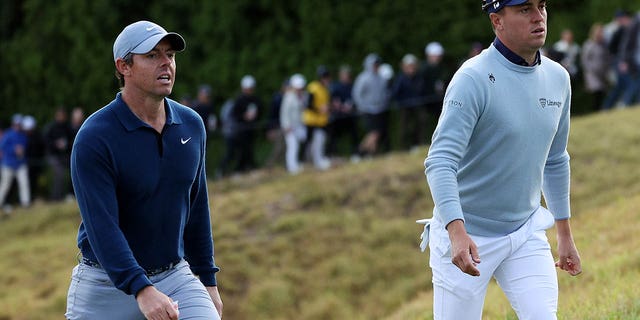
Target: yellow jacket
x=317 y=114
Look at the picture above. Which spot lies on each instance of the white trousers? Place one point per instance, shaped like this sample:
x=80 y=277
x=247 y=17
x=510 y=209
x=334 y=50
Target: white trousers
x=318 y=140
x=292 y=141
x=521 y=263
x=22 y=176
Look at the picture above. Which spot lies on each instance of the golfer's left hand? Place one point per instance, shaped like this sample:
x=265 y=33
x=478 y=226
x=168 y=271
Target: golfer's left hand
x=569 y=259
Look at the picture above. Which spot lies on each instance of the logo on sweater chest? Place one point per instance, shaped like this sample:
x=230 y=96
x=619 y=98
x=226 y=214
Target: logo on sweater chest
x=548 y=103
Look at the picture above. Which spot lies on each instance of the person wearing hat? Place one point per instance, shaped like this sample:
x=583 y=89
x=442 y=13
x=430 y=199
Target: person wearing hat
x=13 y=145
x=500 y=144
x=34 y=153
x=294 y=102
x=137 y=168
x=371 y=96
x=407 y=92
x=435 y=78
x=243 y=117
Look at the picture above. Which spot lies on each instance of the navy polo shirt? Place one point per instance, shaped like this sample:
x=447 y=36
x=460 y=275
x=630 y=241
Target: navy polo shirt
x=143 y=194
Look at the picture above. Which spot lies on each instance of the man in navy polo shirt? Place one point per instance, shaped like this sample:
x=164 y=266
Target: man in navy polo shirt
x=137 y=168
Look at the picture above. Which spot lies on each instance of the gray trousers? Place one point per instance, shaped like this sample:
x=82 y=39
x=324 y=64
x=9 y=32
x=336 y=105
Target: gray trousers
x=93 y=296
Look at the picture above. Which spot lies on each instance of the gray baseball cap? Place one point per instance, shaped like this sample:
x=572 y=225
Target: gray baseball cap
x=141 y=37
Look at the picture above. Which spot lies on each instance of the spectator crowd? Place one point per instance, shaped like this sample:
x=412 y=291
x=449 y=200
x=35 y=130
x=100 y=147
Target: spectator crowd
x=310 y=119
x=325 y=117
x=314 y=120
x=37 y=159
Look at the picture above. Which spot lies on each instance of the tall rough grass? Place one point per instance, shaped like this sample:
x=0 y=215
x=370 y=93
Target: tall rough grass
x=342 y=244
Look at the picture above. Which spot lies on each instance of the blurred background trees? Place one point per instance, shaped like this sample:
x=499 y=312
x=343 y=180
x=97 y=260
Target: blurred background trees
x=59 y=53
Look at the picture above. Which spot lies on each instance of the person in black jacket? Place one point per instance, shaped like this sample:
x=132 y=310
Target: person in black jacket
x=243 y=116
x=58 y=139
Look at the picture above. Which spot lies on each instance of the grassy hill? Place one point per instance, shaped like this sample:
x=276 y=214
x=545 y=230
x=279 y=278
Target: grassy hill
x=343 y=244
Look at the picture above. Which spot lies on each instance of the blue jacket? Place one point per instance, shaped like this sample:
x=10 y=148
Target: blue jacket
x=143 y=195
x=10 y=140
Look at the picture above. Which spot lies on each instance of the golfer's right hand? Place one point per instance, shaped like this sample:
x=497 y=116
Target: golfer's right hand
x=464 y=252
x=155 y=305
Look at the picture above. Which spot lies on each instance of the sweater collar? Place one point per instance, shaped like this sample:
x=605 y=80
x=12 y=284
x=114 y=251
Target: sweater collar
x=512 y=56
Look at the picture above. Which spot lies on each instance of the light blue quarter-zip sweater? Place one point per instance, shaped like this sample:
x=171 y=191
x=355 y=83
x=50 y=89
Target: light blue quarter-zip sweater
x=500 y=141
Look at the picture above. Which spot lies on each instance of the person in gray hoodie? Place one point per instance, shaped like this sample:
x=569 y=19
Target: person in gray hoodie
x=370 y=94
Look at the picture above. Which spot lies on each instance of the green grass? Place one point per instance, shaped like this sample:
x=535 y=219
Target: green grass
x=343 y=244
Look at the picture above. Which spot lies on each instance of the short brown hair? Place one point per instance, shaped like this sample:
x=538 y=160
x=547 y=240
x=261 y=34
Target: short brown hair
x=128 y=59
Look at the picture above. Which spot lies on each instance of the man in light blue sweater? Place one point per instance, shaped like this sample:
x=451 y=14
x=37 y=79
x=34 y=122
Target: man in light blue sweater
x=500 y=141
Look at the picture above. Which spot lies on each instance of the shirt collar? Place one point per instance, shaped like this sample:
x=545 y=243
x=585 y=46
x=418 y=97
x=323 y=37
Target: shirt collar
x=131 y=122
x=512 y=56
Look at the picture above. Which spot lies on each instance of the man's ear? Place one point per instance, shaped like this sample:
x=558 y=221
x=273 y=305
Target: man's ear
x=496 y=21
x=123 y=67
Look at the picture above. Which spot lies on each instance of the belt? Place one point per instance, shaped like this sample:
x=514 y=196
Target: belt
x=159 y=270
x=149 y=272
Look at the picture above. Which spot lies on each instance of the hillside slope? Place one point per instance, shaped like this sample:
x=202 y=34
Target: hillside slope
x=343 y=244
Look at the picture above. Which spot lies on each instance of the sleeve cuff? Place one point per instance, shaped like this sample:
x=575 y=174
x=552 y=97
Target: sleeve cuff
x=450 y=213
x=209 y=279
x=560 y=211
x=138 y=284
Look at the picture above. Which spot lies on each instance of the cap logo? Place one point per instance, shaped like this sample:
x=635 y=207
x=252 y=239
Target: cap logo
x=150 y=28
x=496 y=4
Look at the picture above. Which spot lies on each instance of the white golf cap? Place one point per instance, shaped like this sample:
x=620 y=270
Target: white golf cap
x=297 y=81
x=141 y=37
x=386 y=71
x=247 y=82
x=28 y=123
x=409 y=59
x=434 y=49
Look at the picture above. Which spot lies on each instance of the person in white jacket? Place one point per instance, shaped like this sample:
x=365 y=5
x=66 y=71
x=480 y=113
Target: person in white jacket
x=293 y=103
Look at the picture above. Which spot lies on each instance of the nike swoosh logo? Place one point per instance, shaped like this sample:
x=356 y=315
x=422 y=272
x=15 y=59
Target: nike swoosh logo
x=150 y=28
x=184 y=141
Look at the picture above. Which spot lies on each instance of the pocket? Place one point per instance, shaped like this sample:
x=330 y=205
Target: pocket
x=73 y=286
x=543 y=219
x=93 y=275
x=440 y=244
